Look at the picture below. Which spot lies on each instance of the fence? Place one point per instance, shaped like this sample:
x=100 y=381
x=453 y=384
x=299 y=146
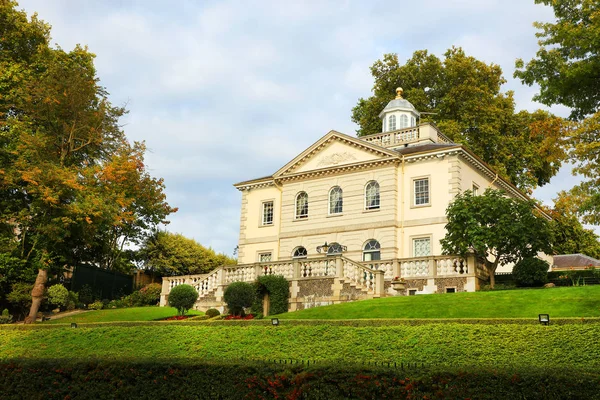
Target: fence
x=105 y=284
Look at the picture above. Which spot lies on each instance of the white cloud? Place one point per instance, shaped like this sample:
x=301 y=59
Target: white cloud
x=227 y=91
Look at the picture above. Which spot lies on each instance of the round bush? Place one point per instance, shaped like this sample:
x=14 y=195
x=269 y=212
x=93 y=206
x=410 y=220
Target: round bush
x=183 y=297
x=151 y=293
x=212 y=312
x=239 y=295
x=97 y=305
x=531 y=272
x=58 y=295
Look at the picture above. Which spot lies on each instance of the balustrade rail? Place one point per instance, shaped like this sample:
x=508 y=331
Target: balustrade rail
x=423 y=267
x=387 y=266
x=392 y=138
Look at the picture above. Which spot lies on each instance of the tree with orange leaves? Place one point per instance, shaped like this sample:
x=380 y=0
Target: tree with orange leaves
x=72 y=188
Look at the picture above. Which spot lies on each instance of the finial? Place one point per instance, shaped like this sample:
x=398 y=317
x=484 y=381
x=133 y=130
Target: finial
x=399 y=92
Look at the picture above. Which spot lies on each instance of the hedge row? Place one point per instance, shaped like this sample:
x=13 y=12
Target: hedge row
x=330 y=322
x=151 y=380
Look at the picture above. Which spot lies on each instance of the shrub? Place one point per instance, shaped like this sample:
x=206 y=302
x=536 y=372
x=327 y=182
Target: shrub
x=20 y=298
x=151 y=294
x=183 y=297
x=239 y=295
x=277 y=287
x=97 y=305
x=58 y=295
x=531 y=271
x=212 y=312
x=86 y=294
x=5 y=318
x=72 y=301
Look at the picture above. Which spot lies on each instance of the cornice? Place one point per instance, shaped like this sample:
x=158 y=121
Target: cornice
x=339 y=169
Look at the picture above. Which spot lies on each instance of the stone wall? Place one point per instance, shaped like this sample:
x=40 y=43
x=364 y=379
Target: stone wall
x=443 y=283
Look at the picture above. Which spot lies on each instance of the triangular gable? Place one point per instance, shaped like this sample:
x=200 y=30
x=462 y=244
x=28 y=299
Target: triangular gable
x=334 y=149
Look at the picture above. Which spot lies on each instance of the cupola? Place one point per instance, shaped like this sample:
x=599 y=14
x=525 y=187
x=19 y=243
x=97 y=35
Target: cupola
x=398 y=114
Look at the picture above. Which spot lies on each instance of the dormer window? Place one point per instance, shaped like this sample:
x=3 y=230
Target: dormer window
x=392 y=122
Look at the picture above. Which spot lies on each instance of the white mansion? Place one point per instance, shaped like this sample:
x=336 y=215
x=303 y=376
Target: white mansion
x=348 y=217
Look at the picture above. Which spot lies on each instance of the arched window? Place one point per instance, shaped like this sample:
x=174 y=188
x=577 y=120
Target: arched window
x=334 y=249
x=392 y=123
x=301 y=205
x=336 y=202
x=372 y=251
x=412 y=121
x=372 y=195
x=300 y=252
x=403 y=121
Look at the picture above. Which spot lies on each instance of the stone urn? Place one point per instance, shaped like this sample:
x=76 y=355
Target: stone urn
x=398 y=285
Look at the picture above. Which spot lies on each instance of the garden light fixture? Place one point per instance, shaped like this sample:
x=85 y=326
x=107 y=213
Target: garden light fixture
x=323 y=249
x=544 y=319
x=275 y=321
x=73 y=325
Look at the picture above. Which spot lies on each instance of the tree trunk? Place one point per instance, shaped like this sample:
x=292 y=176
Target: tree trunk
x=492 y=278
x=37 y=295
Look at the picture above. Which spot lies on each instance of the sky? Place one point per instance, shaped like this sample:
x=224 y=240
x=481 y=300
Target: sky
x=227 y=91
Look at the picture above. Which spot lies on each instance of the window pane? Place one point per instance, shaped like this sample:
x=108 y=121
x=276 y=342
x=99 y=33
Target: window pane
x=421 y=247
x=392 y=123
x=403 y=121
x=372 y=195
x=265 y=257
x=335 y=200
x=421 y=191
x=334 y=248
x=267 y=218
x=302 y=205
x=300 y=252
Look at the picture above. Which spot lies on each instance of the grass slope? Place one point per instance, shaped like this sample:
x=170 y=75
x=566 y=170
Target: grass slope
x=133 y=314
x=453 y=344
x=583 y=301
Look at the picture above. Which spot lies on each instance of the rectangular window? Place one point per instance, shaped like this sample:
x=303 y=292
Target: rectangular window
x=421 y=188
x=421 y=247
x=475 y=190
x=412 y=292
x=264 y=257
x=450 y=290
x=267 y=213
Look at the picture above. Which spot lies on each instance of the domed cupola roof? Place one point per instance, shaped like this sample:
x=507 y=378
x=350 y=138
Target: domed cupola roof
x=399 y=104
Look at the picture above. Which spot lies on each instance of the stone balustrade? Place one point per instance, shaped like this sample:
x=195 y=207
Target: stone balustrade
x=387 y=266
x=407 y=136
x=439 y=266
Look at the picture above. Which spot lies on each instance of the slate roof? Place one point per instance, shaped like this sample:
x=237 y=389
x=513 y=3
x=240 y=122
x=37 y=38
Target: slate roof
x=565 y=261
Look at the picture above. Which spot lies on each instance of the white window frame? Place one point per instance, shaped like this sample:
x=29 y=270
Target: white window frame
x=414 y=191
x=335 y=207
x=403 y=121
x=260 y=255
x=450 y=287
x=300 y=216
x=295 y=257
x=371 y=251
x=475 y=189
x=413 y=239
x=263 y=214
x=333 y=246
x=377 y=196
x=392 y=123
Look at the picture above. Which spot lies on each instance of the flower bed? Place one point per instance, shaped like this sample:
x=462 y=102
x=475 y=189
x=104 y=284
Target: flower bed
x=230 y=317
x=177 y=318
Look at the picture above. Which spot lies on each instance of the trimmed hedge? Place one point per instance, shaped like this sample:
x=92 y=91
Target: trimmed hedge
x=123 y=380
x=531 y=272
x=278 y=289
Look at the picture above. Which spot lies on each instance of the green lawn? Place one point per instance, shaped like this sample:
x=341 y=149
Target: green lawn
x=583 y=301
x=133 y=314
x=501 y=345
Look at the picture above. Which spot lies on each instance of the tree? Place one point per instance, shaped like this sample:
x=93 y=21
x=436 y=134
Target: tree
x=568 y=234
x=239 y=295
x=567 y=69
x=72 y=188
x=169 y=253
x=567 y=64
x=183 y=297
x=497 y=229
x=464 y=95
x=531 y=272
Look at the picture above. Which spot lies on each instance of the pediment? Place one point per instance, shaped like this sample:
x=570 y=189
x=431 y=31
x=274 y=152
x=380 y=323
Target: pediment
x=333 y=150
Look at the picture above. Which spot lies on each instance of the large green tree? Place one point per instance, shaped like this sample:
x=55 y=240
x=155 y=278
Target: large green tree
x=567 y=70
x=169 y=253
x=569 y=236
x=464 y=94
x=72 y=188
x=497 y=229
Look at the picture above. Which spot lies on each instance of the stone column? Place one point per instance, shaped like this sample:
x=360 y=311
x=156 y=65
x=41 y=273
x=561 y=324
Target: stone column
x=165 y=291
x=379 y=283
